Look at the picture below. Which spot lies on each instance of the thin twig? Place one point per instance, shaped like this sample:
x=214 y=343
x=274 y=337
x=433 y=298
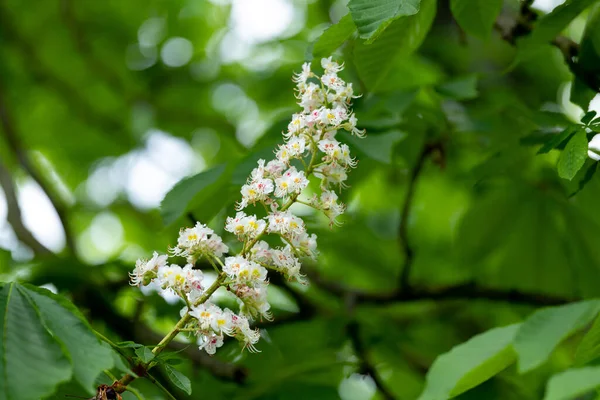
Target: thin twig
x=405 y=215
x=13 y=141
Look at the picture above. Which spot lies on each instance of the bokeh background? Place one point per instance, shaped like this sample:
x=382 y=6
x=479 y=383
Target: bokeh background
x=106 y=105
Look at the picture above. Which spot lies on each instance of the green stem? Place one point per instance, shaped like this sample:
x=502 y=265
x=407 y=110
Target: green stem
x=121 y=385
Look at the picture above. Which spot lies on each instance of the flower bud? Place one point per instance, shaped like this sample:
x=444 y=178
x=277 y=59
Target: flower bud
x=594 y=148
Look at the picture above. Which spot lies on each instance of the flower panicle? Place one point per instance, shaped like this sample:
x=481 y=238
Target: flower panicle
x=311 y=152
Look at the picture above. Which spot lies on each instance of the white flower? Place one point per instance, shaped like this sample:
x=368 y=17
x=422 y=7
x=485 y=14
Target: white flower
x=330 y=66
x=330 y=206
x=210 y=343
x=275 y=168
x=254 y=191
x=244 y=271
x=350 y=126
x=143 y=266
x=245 y=226
x=304 y=75
x=594 y=148
x=333 y=173
x=199 y=241
x=332 y=81
x=296 y=146
x=292 y=181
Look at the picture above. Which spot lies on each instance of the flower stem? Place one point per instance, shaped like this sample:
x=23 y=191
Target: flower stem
x=121 y=385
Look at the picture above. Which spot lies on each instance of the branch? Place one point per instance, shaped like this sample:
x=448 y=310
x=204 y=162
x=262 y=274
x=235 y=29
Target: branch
x=353 y=331
x=12 y=139
x=405 y=214
x=14 y=216
x=466 y=291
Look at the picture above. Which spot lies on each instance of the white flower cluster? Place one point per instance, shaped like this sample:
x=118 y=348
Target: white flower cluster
x=310 y=149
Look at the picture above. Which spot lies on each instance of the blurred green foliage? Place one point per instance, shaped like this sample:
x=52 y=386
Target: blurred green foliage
x=473 y=204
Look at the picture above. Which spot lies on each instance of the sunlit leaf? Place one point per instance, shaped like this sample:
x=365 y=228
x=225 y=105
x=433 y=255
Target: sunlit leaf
x=178 y=379
x=573 y=156
x=334 y=37
x=545 y=329
x=570 y=384
x=470 y=364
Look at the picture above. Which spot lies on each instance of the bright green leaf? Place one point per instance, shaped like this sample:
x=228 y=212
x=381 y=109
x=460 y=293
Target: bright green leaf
x=145 y=354
x=32 y=360
x=545 y=329
x=334 y=37
x=573 y=156
x=589 y=347
x=372 y=17
x=88 y=354
x=471 y=363
x=400 y=39
x=193 y=192
x=572 y=383
x=179 y=379
x=476 y=17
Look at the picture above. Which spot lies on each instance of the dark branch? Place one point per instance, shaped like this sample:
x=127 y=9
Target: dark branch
x=14 y=214
x=365 y=366
x=405 y=215
x=12 y=139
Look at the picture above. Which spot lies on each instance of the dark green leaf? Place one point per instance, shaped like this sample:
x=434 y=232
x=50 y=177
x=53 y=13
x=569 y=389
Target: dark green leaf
x=469 y=364
x=400 y=39
x=89 y=355
x=179 y=379
x=573 y=156
x=192 y=192
x=464 y=88
x=545 y=329
x=557 y=139
x=32 y=361
x=589 y=347
x=145 y=354
x=334 y=37
x=476 y=17
x=588 y=117
x=570 y=384
x=372 y=17
x=589 y=174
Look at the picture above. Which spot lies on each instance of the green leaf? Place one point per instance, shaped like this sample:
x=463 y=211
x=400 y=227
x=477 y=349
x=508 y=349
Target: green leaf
x=179 y=379
x=588 y=62
x=145 y=354
x=196 y=191
x=572 y=383
x=128 y=344
x=589 y=347
x=32 y=360
x=464 y=88
x=471 y=363
x=476 y=17
x=89 y=355
x=573 y=156
x=588 y=117
x=334 y=37
x=372 y=17
x=589 y=174
x=378 y=147
x=556 y=140
x=403 y=37
x=545 y=329
x=548 y=27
